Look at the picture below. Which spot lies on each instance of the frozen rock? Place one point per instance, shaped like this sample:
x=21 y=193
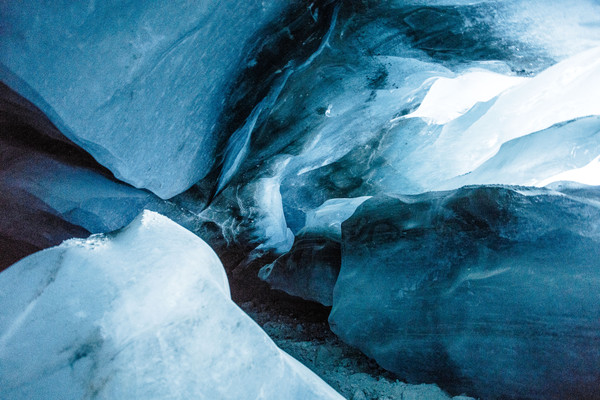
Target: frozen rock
x=493 y=291
x=139 y=86
x=143 y=312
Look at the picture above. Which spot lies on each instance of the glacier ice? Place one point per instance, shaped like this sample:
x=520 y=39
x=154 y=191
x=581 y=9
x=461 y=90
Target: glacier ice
x=449 y=98
x=555 y=28
x=541 y=158
x=50 y=189
x=308 y=270
x=561 y=93
x=589 y=174
x=311 y=267
x=139 y=86
x=516 y=116
x=326 y=220
x=290 y=115
x=143 y=312
x=492 y=290
x=564 y=92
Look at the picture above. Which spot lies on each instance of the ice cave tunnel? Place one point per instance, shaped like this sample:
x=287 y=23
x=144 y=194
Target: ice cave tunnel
x=290 y=199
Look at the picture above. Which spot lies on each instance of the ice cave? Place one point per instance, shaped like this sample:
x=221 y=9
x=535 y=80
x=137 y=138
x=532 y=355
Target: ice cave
x=297 y=200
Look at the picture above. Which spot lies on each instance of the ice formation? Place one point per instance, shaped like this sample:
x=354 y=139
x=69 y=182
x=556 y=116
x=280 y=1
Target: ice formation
x=415 y=123
x=143 y=312
x=310 y=136
x=311 y=267
x=490 y=290
x=122 y=80
x=449 y=98
x=560 y=94
x=50 y=189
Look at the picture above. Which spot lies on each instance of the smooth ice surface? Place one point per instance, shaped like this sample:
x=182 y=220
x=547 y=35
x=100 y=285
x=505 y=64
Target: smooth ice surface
x=140 y=86
x=493 y=291
x=50 y=189
x=542 y=157
x=561 y=93
x=449 y=98
x=326 y=220
x=589 y=174
x=78 y=195
x=144 y=313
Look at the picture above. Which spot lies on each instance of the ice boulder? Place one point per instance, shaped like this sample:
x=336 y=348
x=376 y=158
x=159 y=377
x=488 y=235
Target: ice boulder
x=493 y=291
x=140 y=86
x=140 y=313
x=309 y=270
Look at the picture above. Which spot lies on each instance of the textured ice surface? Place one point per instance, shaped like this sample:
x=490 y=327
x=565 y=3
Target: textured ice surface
x=138 y=85
x=490 y=290
x=276 y=236
x=333 y=100
x=139 y=313
x=308 y=270
x=412 y=97
x=51 y=190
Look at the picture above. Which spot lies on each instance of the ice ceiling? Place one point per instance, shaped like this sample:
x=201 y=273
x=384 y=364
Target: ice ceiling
x=428 y=169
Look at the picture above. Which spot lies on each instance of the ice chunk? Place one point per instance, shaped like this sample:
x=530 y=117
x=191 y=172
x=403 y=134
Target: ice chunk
x=276 y=236
x=493 y=291
x=140 y=313
x=308 y=270
x=140 y=86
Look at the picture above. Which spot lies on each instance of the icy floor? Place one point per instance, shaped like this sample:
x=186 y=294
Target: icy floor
x=300 y=328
